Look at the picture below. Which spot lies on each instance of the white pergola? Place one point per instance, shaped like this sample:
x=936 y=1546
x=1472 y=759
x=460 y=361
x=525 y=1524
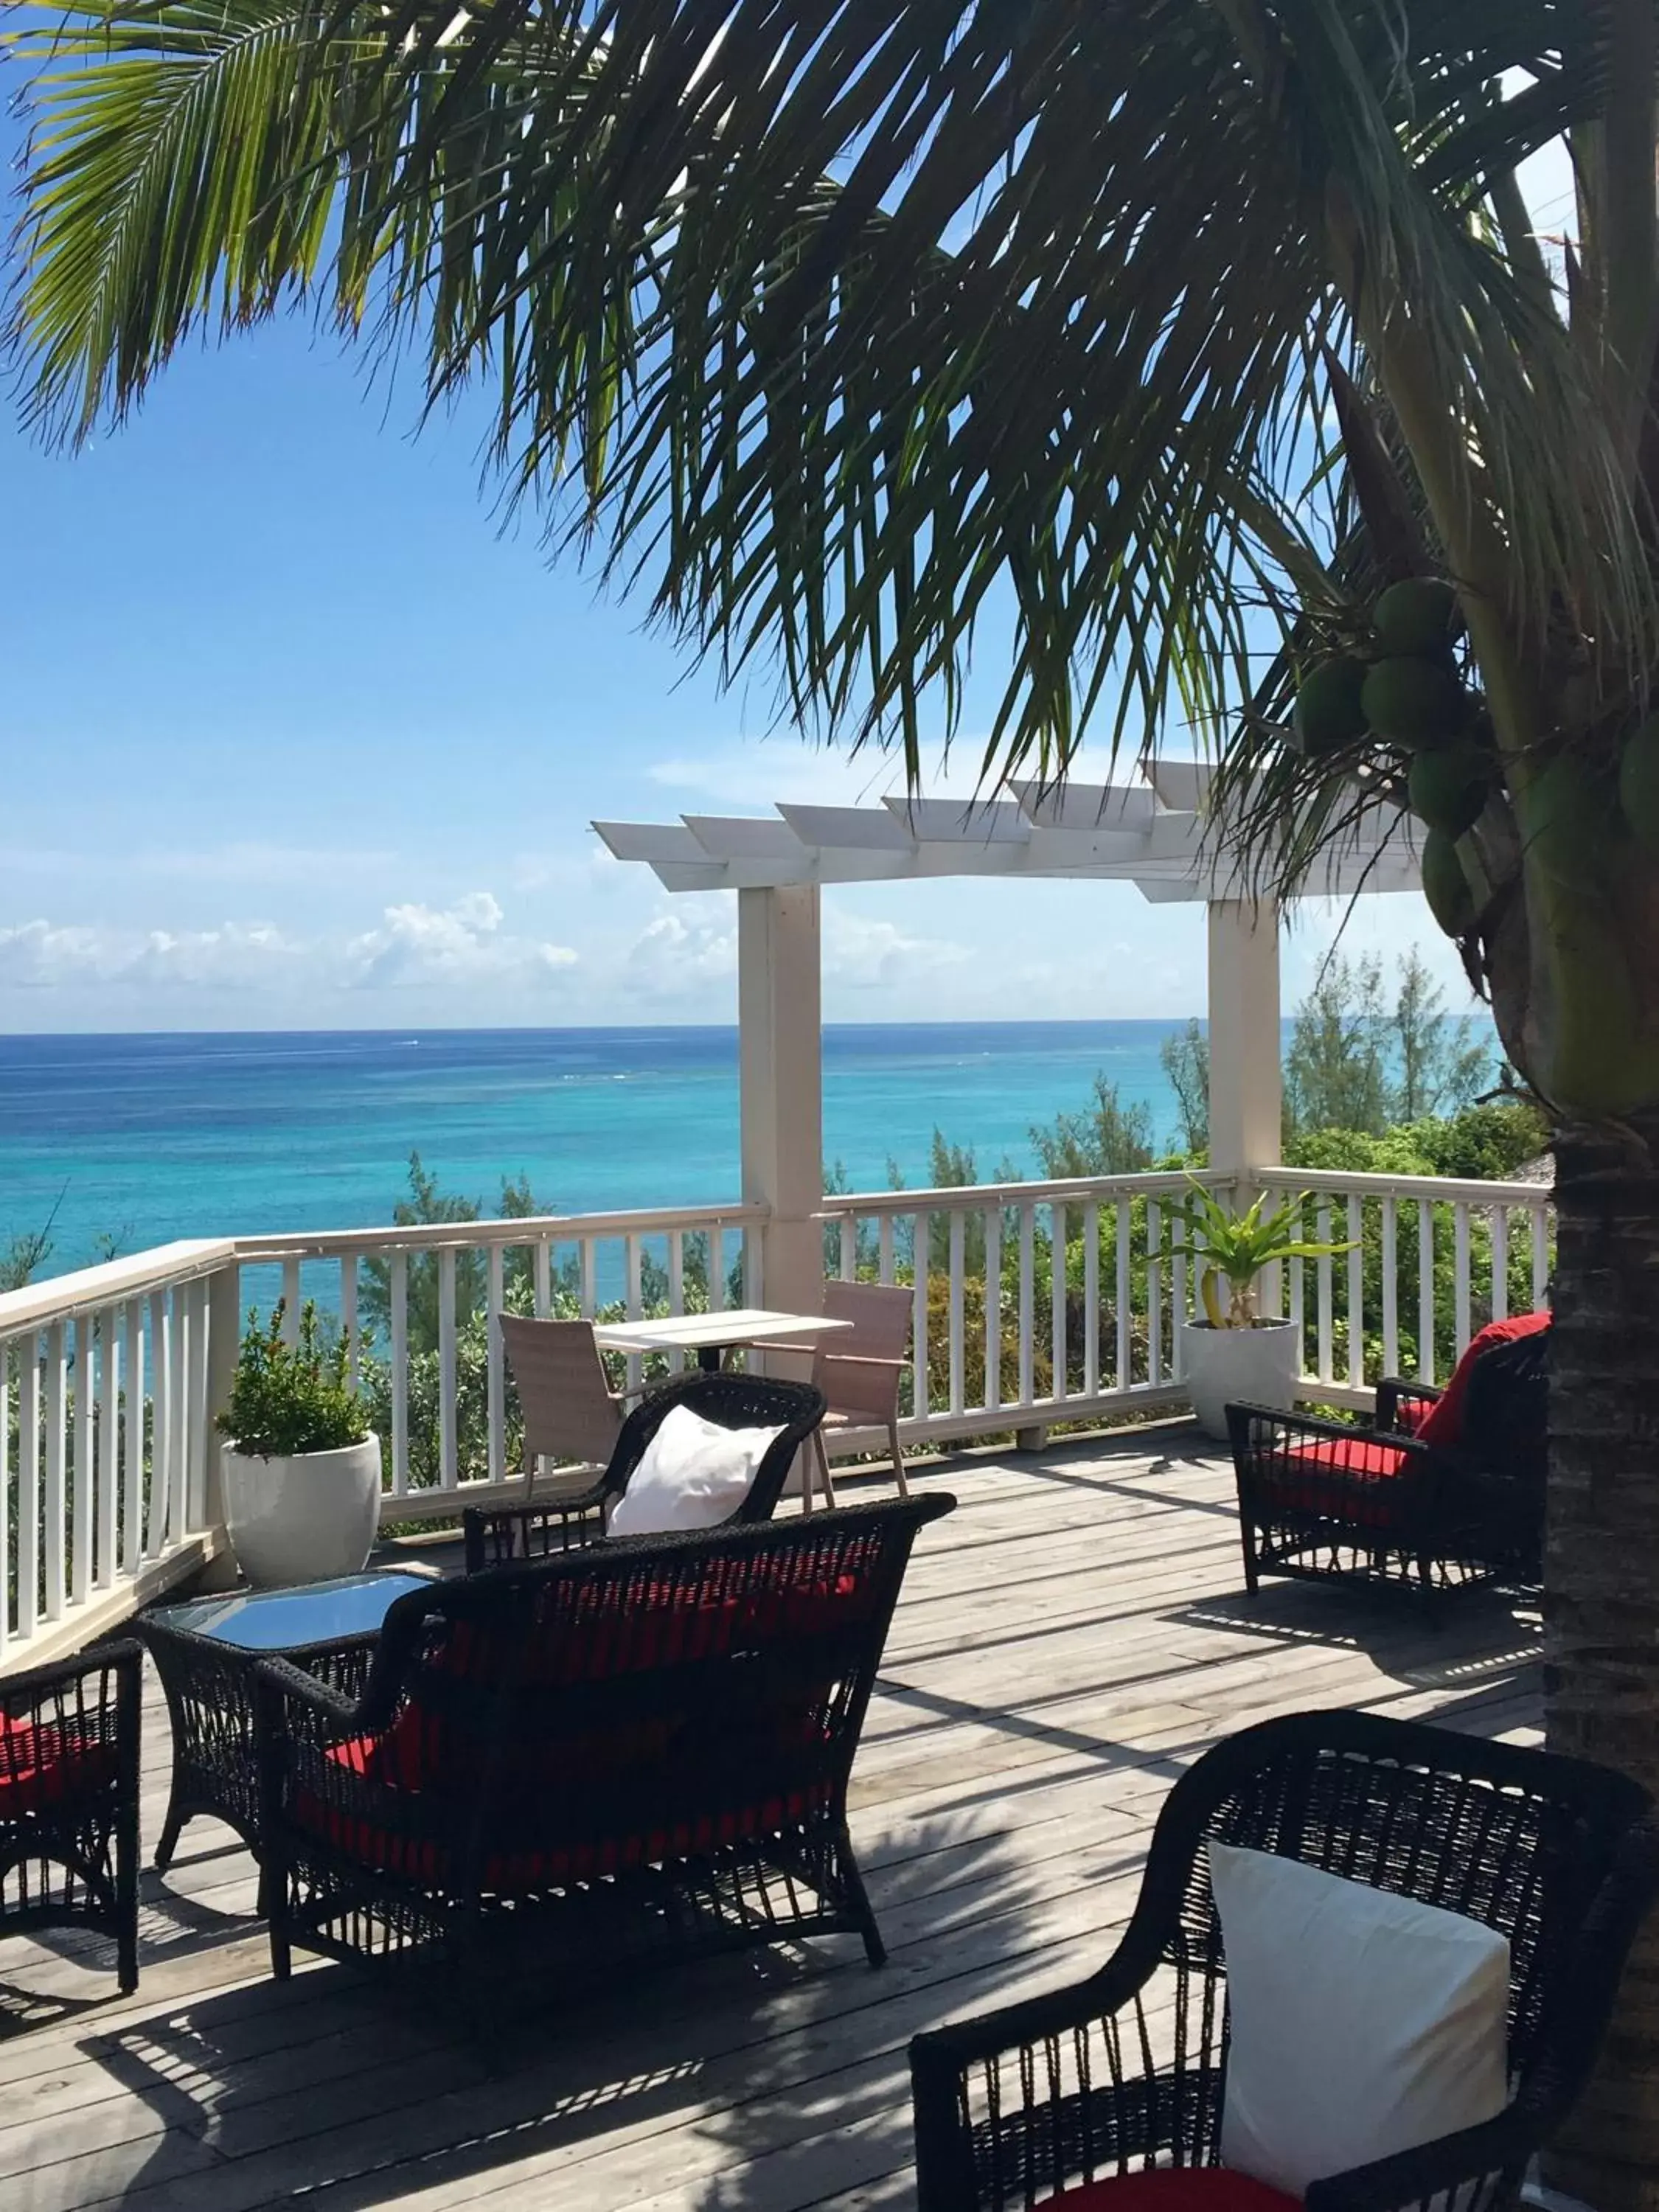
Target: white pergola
x=1157 y=833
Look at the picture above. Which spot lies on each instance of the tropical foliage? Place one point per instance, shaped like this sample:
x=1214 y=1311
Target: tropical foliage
x=288 y=1398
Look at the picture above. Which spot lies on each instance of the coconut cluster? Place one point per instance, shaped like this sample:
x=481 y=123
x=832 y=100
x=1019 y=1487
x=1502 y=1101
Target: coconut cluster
x=1410 y=696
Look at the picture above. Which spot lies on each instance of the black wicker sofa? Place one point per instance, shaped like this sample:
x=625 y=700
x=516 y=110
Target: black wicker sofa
x=638 y=1746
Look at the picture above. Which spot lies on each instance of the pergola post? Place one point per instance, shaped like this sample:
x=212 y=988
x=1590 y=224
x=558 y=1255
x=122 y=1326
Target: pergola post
x=1245 y=1088
x=779 y=1055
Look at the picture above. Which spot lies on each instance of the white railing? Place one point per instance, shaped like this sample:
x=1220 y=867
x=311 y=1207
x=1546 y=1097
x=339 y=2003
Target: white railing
x=1431 y=1260
x=1002 y=1338
x=108 y=1465
x=110 y=1379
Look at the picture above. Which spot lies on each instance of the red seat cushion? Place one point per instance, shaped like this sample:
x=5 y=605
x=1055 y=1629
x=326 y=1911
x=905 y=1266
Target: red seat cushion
x=1175 y=2189
x=1300 y=1479
x=43 y=1764
x=1444 y=1426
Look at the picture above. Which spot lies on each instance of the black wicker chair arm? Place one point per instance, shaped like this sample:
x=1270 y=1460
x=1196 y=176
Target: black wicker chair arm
x=293 y=1686
x=17 y=1689
x=1436 y=2171
x=1262 y=1420
x=1394 y=1392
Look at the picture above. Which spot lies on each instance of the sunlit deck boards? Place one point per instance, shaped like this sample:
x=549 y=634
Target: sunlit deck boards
x=1068 y=1641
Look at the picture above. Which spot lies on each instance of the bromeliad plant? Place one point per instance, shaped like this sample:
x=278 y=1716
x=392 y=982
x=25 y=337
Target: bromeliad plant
x=290 y=1399
x=1238 y=1246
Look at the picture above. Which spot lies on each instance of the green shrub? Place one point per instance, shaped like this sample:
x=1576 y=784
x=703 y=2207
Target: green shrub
x=289 y=1399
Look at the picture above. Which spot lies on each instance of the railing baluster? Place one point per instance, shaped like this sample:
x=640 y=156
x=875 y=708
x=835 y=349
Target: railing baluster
x=291 y=1299
x=1538 y=1215
x=1154 y=1294
x=29 y=1484
x=201 y=1440
x=495 y=1373
x=1177 y=1295
x=920 y=1391
x=1461 y=1272
x=1057 y=1298
x=399 y=1281
x=179 y=1394
x=590 y=1275
x=161 y=1424
x=542 y=1269
x=635 y=1365
x=884 y=1248
x=1298 y=1314
x=1027 y=1293
x=11 y=1350
x=1500 y=1262
x=958 y=1233
x=848 y=1254
x=109 y=1447
x=1327 y=1301
x=754 y=1288
x=1122 y=1220
x=994 y=1306
x=716 y=1269
x=56 y=1463
x=1355 y=1295
x=448 y=1441
x=348 y=1316
x=82 y=1531
x=1426 y=1351
x=676 y=1292
x=1390 y=1288
x=1092 y=1299
x=133 y=1437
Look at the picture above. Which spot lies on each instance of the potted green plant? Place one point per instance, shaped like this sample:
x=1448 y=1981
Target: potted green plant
x=301 y=1465
x=1232 y=1355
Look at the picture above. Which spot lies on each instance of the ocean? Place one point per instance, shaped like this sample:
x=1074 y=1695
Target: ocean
x=137 y=1139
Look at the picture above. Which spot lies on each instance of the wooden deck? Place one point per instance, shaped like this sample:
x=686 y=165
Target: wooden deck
x=1068 y=1641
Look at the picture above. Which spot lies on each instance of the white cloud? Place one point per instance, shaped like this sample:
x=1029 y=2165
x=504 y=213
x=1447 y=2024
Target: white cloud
x=863 y=953
x=682 y=952
x=463 y=943
x=241 y=863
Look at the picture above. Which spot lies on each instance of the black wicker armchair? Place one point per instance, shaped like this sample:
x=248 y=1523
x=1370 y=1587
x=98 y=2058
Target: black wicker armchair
x=558 y=1769
x=498 y=1536
x=69 y=1799
x=1396 y=1500
x=1062 y=2097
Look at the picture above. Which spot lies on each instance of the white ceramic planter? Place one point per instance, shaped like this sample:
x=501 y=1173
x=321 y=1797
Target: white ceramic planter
x=1254 y=1366
x=304 y=1519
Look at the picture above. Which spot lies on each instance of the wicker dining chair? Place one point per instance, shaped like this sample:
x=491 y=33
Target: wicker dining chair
x=1081 y=2097
x=570 y=1411
x=860 y=1369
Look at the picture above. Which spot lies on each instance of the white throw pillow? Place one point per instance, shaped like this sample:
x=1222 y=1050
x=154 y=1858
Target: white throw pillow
x=1363 y=2023
x=692 y=1474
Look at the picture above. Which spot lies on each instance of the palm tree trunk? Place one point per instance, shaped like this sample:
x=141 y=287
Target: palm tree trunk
x=1601 y=1583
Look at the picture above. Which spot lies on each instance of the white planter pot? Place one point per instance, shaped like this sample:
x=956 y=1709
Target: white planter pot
x=1255 y=1366
x=304 y=1519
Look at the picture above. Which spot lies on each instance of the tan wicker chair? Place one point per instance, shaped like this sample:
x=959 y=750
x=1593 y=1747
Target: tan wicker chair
x=859 y=1370
x=570 y=1411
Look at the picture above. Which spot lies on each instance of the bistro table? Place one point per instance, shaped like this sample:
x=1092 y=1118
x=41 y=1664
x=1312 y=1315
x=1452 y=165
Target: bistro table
x=205 y=1652
x=711 y=1335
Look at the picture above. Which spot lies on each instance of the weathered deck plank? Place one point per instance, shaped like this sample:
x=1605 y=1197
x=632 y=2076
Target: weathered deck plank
x=1068 y=1641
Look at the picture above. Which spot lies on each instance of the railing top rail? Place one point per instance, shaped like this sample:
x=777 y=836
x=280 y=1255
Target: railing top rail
x=1450 y=1189
x=1154 y=1184
x=60 y=1297
x=526 y=1228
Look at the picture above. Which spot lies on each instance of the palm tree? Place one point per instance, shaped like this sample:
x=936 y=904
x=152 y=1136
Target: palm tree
x=1181 y=325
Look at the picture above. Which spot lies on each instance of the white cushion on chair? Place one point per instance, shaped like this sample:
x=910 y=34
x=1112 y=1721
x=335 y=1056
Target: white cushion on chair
x=692 y=1474
x=1361 y=2023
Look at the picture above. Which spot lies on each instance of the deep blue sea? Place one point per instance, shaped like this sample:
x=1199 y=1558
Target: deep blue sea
x=144 y=1138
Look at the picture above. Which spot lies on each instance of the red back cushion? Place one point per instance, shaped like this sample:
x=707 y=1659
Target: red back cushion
x=1444 y=1426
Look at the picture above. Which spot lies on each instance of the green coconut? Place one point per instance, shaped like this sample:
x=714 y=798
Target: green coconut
x=1414 y=701
x=1568 y=823
x=1638 y=781
x=1418 y=617
x=1328 y=714
x=1445 y=886
x=1448 y=786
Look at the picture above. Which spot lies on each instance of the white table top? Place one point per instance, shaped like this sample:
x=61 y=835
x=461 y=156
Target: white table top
x=699 y=1331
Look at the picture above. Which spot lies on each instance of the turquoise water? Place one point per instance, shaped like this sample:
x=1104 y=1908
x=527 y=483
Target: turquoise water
x=143 y=1138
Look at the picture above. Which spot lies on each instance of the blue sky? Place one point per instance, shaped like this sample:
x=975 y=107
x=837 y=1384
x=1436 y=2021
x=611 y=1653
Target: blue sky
x=294 y=736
